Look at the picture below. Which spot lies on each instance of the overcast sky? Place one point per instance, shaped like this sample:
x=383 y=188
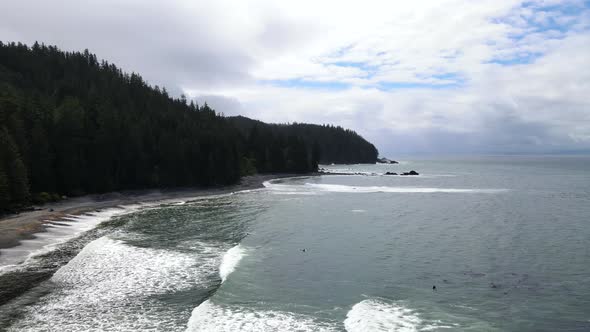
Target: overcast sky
x=414 y=77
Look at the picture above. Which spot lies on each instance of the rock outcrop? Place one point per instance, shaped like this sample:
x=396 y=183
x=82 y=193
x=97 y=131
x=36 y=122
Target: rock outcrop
x=386 y=161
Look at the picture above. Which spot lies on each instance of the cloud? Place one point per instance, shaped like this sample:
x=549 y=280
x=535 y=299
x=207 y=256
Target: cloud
x=449 y=76
x=227 y=105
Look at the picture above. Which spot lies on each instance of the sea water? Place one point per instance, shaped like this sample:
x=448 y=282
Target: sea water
x=505 y=240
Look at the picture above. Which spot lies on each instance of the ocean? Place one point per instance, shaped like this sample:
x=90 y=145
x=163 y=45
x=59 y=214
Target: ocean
x=505 y=241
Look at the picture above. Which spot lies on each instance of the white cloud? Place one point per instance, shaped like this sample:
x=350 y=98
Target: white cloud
x=288 y=61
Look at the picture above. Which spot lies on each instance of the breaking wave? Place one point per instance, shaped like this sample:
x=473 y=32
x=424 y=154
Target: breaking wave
x=367 y=315
x=210 y=317
x=377 y=315
x=114 y=286
x=58 y=232
x=316 y=188
x=230 y=261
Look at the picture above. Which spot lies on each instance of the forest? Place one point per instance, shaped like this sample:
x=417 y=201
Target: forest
x=336 y=144
x=72 y=125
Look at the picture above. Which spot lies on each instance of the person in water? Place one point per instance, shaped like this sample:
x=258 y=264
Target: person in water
x=433 y=288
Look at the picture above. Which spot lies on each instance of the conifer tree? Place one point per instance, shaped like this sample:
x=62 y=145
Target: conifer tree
x=19 y=183
x=70 y=124
x=4 y=190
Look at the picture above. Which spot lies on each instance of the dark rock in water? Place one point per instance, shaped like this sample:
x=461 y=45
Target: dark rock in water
x=386 y=161
x=474 y=274
x=390 y=173
x=410 y=173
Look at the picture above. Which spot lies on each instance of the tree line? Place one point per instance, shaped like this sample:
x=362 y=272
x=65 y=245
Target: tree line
x=333 y=144
x=71 y=124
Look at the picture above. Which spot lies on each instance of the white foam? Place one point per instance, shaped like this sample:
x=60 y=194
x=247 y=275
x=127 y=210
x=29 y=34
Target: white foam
x=110 y=285
x=118 y=267
x=230 y=261
x=349 y=171
x=314 y=188
x=378 y=315
x=358 y=211
x=44 y=242
x=375 y=189
x=210 y=317
x=421 y=176
x=287 y=189
x=304 y=193
x=374 y=315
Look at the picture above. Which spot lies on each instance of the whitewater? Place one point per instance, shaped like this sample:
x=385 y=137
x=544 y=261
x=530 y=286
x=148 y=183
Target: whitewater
x=504 y=240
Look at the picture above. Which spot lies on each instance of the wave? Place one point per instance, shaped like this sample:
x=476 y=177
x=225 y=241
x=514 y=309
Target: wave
x=113 y=285
x=286 y=189
x=70 y=227
x=211 y=317
x=425 y=176
x=230 y=261
x=56 y=233
x=384 y=189
x=315 y=188
x=377 y=315
x=112 y=267
x=347 y=171
x=368 y=315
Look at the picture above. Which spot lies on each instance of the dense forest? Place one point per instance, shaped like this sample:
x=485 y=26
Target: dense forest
x=336 y=144
x=71 y=124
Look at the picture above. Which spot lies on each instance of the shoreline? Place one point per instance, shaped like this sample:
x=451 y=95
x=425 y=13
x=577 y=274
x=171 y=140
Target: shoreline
x=32 y=224
x=25 y=225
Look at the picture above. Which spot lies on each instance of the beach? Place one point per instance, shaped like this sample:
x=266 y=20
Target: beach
x=461 y=246
x=24 y=225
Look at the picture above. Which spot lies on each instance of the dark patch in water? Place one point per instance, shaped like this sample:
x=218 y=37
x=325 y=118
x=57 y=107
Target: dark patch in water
x=474 y=274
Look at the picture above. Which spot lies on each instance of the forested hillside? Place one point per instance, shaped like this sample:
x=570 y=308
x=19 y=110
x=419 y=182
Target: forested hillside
x=70 y=125
x=336 y=144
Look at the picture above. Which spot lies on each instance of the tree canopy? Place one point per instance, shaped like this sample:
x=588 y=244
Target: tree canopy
x=70 y=125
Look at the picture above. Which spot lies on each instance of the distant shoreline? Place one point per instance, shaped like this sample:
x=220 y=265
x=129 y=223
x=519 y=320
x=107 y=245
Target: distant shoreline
x=23 y=226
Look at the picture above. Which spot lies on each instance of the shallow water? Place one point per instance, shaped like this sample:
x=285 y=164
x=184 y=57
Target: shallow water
x=504 y=239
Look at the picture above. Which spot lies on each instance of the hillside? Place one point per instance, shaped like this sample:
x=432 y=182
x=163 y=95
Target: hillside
x=336 y=144
x=70 y=125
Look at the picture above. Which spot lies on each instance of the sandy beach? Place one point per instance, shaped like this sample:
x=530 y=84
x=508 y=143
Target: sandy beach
x=25 y=225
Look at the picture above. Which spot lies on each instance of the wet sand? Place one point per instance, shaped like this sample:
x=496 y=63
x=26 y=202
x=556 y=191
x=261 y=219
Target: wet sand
x=17 y=227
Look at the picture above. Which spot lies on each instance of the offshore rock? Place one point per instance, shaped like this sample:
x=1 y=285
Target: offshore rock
x=386 y=161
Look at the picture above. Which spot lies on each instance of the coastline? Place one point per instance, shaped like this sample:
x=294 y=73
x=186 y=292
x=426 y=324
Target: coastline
x=25 y=225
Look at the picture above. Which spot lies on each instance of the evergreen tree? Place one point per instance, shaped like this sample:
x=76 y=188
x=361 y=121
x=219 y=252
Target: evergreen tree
x=335 y=144
x=4 y=190
x=16 y=172
x=315 y=156
x=70 y=124
x=41 y=162
x=19 y=183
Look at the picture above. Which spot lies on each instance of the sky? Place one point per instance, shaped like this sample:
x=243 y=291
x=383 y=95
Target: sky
x=413 y=77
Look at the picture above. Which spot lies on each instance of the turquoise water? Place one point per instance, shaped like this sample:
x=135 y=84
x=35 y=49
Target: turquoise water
x=504 y=239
